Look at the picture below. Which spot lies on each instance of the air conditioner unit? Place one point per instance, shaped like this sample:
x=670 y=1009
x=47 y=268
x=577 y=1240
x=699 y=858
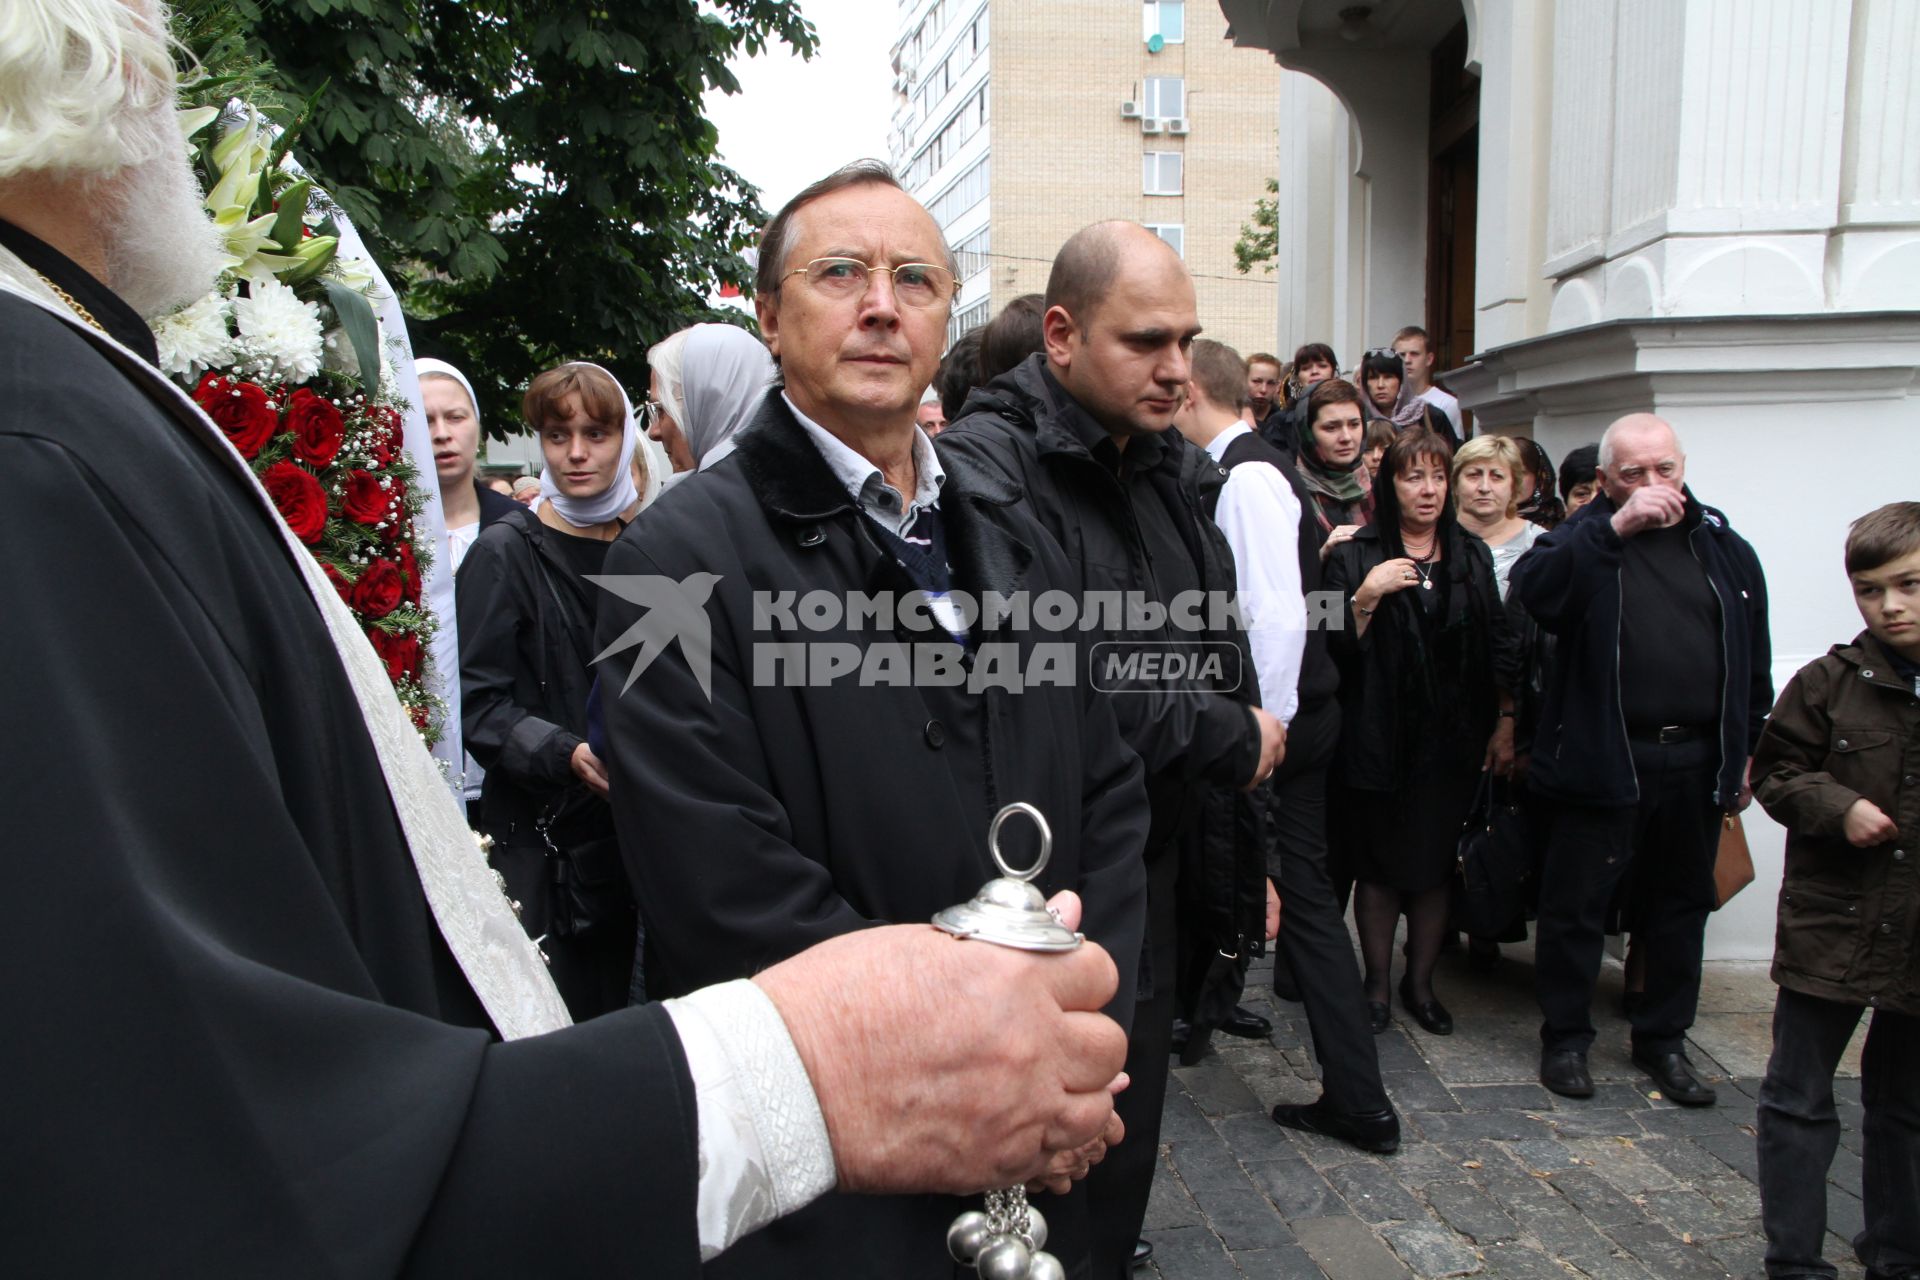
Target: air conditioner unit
x=1129 y=111
x=1177 y=126
x=1152 y=126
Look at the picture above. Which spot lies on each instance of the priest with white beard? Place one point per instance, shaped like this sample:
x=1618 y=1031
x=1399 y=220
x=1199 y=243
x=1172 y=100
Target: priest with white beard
x=266 y=1012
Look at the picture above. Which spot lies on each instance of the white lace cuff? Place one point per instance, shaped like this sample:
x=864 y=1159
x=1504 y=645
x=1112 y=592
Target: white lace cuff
x=763 y=1145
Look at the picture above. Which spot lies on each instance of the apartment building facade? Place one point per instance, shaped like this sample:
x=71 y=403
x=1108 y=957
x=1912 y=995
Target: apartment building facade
x=1017 y=122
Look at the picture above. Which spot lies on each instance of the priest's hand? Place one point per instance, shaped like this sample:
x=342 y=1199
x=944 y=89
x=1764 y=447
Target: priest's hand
x=951 y=1066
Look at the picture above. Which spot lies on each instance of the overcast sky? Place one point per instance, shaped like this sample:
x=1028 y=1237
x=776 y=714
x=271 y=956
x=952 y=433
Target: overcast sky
x=793 y=120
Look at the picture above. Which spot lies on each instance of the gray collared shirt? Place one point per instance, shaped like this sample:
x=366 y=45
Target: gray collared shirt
x=882 y=503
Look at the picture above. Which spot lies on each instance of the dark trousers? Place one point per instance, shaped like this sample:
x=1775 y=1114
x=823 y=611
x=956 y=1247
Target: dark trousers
x=1799 y=1132
x=1313 y=940
x=1670 y=839
x=1118 y=1187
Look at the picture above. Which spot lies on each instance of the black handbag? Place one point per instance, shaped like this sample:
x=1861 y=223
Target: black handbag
x=586 y=880
x=1493 y=863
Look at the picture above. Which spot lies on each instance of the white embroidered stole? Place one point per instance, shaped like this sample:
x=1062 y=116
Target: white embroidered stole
x=499 y=960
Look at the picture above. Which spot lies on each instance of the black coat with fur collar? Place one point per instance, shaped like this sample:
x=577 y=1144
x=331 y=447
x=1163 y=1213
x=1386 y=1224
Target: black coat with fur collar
x=770 y=816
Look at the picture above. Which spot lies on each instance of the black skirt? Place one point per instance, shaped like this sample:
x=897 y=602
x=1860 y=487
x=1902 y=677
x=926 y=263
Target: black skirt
x=1408 y=839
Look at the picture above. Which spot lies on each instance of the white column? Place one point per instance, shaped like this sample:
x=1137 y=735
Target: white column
x=1875 y=259
x=1515 y=44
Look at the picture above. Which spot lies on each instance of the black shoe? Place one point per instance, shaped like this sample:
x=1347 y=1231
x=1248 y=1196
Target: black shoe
x=1564 y=1071
x=1674 y=1074
x=1246 y=1024
x=1375 y=1131
x=1379 y=1017
x=1142 y=1250
x=1182 y=1030
x=1430 y=1014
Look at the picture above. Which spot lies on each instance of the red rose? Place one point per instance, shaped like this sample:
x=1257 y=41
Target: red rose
x=401 y=653
x=318 y=430
x=379 y=590
x=298 y=495
x=409 y=571
x=340 y=584
x=239 y=409
x=368 y=501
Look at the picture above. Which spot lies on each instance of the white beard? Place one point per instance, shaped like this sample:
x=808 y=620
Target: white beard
x=163 y=251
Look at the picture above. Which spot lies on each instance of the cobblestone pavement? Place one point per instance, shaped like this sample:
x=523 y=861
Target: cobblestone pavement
x=1495 y=1176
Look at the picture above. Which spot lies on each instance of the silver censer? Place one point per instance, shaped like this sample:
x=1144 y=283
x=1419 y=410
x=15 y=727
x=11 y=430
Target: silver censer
x=1008 y=1241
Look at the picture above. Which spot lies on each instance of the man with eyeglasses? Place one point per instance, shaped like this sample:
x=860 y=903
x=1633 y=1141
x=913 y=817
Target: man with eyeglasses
x=832 y=759
x=1659 y=689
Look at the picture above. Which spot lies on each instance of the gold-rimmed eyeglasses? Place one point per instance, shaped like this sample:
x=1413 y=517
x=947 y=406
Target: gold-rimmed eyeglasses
x=917 y=284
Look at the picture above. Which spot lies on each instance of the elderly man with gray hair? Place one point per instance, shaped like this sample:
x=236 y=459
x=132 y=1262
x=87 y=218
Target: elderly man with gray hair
x=1658 y=694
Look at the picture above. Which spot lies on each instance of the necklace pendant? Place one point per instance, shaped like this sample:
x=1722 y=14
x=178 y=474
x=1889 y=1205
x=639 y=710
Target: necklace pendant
x=1426 y=584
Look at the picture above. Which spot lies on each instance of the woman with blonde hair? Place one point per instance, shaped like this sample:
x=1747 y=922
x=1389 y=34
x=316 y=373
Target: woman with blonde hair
x=1486 y=470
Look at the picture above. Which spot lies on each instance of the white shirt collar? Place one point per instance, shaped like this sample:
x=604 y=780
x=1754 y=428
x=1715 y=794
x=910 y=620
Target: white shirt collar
x=1217 y=447
x=865 y=483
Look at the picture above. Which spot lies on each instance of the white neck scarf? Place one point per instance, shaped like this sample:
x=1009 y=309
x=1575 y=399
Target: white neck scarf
x=493 y=951
x=584 y=513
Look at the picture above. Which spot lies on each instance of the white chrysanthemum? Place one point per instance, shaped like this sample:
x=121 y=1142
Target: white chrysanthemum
x=279 y=334
x=195 y=338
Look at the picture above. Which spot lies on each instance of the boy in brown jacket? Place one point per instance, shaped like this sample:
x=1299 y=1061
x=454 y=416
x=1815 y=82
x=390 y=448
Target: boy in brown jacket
x=1837 y=767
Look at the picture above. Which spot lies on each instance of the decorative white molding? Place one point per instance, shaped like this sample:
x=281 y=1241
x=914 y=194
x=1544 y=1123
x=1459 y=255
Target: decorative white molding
x=1580 y=163
x=1763 y=112
x=1617 y=367
x=1880 y=171
x=1650 y=53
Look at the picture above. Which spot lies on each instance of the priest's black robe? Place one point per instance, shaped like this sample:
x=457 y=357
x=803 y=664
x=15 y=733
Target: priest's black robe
x=234 y=1041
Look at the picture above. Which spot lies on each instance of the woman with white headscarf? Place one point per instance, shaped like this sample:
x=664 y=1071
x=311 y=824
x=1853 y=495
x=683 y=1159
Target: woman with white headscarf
x=453 y=427
x=526 y=616
x=708 y=382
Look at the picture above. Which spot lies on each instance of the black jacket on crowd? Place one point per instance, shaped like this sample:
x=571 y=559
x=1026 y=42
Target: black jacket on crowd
x=526 y=642
x=776 y=808
x=1405 y=683
x=1199 y=747
x=494 y=504
x=1570 y=583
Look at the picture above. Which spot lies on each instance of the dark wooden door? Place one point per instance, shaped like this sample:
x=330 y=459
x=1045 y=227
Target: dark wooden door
x=1453 y=185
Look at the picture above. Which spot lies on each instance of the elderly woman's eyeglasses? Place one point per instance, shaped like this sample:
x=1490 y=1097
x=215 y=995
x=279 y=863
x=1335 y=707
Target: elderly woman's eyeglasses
x=917 y=284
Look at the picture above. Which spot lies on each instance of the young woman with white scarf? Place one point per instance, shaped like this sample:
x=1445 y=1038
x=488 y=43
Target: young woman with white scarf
x=526 y=614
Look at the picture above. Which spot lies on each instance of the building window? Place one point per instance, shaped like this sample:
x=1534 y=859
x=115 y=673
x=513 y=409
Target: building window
x=974 y=253
x=1160 y=173
x=1164 y=18
x=1166 y=98
x=969 y=189
x=964 y=322
x=944 y=143
x=1173 y=233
